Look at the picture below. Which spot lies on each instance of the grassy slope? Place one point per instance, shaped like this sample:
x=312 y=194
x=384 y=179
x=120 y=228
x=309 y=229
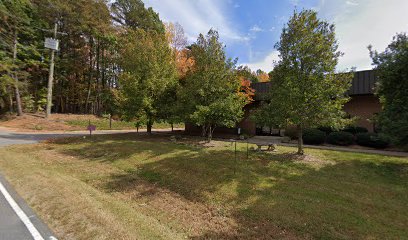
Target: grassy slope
x=131 y=187
x=69 y=122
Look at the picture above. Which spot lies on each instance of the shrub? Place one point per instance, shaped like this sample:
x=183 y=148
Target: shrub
x=314 y=136
x=340 y=138
x=28 y=103
x=355 y=130
x=327 y=130
x=371 y=140
x=291 y=132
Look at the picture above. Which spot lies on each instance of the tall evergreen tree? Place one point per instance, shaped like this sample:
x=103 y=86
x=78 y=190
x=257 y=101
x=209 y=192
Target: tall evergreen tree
x=133 y=14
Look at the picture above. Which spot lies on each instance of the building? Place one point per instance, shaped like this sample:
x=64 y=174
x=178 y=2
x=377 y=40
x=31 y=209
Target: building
x=363 y=105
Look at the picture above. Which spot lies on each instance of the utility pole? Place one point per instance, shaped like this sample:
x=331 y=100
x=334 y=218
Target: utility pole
x=51 y=77
x=16 y=83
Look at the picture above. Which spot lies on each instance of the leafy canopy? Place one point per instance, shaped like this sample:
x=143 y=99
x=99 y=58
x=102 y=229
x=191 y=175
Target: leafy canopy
x=148 y=72
x=305 y=90
x=392 y=67
x=211 y=93
x=133 y=14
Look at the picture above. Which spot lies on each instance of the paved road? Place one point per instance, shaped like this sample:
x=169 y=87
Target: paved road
x=10 y=138
x=17 y=219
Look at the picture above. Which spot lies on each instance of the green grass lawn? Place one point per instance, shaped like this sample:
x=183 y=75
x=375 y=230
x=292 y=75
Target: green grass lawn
x=103 y=124
x=140 y=187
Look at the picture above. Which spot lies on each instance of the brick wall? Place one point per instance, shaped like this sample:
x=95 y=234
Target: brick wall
x=361 y=106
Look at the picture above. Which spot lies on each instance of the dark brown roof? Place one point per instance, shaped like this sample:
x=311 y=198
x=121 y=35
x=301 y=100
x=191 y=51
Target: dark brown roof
x=363 y=84
x=261 y=89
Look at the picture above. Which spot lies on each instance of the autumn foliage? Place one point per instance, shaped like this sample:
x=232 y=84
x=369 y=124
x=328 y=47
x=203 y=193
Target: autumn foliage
x=246 y=89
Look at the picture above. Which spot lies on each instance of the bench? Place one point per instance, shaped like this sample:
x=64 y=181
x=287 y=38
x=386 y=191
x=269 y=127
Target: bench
x=271 y=146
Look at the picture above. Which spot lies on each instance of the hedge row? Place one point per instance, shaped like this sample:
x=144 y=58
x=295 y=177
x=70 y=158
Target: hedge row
x=340 y=138
x=371 y=140
x=346 y=137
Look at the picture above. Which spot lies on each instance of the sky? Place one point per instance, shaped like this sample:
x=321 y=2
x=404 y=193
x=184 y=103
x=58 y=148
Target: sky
x=250 y=28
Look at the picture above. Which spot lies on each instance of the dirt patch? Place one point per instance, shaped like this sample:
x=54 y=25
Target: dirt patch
x=305 y=158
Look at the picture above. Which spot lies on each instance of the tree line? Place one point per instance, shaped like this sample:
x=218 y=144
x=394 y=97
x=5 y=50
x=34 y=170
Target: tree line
x=119 y=57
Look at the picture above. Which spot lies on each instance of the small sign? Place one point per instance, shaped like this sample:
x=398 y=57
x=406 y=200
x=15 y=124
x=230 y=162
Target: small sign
x=51 y=43
x=91 y=128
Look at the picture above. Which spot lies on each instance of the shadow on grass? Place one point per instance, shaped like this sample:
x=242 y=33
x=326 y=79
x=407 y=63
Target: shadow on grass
x=268 y=196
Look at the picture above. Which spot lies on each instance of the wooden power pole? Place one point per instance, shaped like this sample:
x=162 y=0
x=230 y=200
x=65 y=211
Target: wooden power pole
x=51 y=76
x=16 y=83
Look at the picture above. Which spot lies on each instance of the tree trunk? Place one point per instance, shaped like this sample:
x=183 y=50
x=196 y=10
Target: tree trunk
x=149 y=128
x=16 y=83
x=204 y=131
x=209 y=136
x=98 y=80
x=210 y=132
x=149 y=125
x=88 y=96
x=172 y=127
x=18 y=100
x=300 y=140
x=10 y=99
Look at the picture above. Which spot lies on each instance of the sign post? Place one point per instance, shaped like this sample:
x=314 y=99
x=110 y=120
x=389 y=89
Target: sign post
x=91 y=128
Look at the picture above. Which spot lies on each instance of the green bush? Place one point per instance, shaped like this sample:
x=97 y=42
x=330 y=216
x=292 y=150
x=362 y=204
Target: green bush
x=313 y=136
x=291 y=132
x=371 y=140
x=327 y=130
x=28 y=103
x=355 y=130
x=340 y=138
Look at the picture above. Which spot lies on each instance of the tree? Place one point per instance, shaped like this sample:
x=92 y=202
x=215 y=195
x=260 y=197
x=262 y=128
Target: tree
x=148 y=71
x=262 y=76
x=85 y=68
x=246 y=89
x=178 y=42
x=14 y=16
x=211 y=94
x=147 y=62
x=175 y=35
x=246 y=72
x=306 y=91
x=392 y=68
x=133 y=14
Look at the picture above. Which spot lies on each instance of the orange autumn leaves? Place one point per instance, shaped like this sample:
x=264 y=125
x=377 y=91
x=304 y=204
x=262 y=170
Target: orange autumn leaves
x=178 y=42
x=246 y=90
